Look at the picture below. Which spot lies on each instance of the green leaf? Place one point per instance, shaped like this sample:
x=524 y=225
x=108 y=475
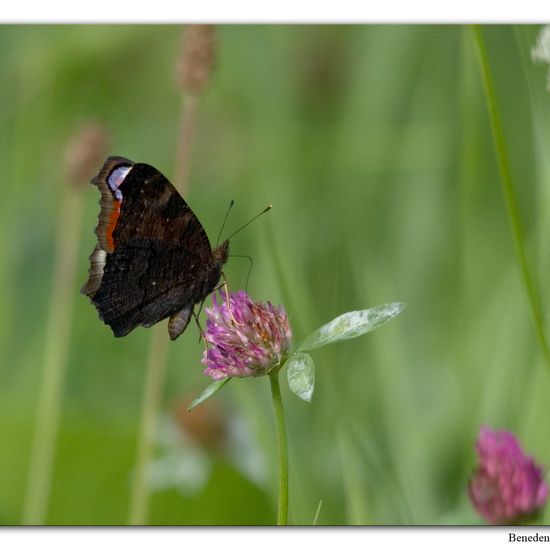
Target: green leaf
x=301 y=375
x=350 y=325
x=214 y=387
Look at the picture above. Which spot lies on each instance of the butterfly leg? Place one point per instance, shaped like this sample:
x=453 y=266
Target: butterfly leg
x=223 y=285
x=196 y=316
x=201 y=331
x=226 y=290
x=227 y=300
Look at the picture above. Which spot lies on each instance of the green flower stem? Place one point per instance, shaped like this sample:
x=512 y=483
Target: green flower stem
x=508 y=189
x=283 y=450
x=156 y=367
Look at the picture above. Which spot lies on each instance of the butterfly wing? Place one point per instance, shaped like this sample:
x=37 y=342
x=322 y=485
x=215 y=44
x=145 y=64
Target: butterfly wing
x=153 y=257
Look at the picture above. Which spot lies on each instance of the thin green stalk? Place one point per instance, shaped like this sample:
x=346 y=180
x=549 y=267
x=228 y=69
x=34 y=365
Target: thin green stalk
x=318 y=511
x=187 y=130
x=156 y=367
x=508 y=189
x=58 y=337
x=282 y=513
x=356 y=500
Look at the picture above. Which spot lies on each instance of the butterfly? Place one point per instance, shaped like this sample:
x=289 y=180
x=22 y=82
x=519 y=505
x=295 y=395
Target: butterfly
x=153 y=259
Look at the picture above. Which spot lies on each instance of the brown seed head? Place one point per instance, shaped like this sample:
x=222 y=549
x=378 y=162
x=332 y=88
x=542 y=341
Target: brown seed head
x=84 y=152
x=195 y=63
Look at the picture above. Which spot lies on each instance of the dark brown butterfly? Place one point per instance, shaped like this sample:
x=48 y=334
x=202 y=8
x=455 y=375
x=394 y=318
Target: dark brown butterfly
x=153 y=259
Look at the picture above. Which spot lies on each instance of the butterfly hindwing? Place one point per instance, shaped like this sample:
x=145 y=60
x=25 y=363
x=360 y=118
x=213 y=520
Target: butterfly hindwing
x=144 y=281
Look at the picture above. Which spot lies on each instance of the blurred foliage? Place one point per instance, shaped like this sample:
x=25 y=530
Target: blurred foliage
x=373 y=145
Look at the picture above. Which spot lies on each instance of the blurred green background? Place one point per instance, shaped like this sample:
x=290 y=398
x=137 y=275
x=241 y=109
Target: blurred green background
x=373 y=145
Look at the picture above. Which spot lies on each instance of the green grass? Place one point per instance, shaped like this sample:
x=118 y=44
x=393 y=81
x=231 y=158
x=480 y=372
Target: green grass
x=374 y=145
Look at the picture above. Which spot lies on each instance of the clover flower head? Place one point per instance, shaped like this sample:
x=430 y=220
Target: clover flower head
x=507 y=484
x=244 y=338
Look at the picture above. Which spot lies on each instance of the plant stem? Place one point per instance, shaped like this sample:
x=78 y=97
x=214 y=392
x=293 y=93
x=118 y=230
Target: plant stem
x=283 y=451
x=152 y=396
x=58 y=338
x=188 y=124
x=514 y=218
x=156 y=365
x=316 y=518
x=356 y=499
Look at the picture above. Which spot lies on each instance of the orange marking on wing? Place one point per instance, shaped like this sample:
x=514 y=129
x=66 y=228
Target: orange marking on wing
x=115 y=213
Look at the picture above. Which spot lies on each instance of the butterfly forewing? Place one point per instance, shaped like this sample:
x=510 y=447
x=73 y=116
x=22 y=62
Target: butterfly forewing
x=153 y=258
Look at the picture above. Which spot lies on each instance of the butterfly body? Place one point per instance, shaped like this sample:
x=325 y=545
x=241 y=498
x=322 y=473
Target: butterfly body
x=153 y=259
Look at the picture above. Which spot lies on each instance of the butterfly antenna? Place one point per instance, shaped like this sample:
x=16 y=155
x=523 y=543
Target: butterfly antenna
x=249 y=258
x=266 y=209
x=224 y=220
